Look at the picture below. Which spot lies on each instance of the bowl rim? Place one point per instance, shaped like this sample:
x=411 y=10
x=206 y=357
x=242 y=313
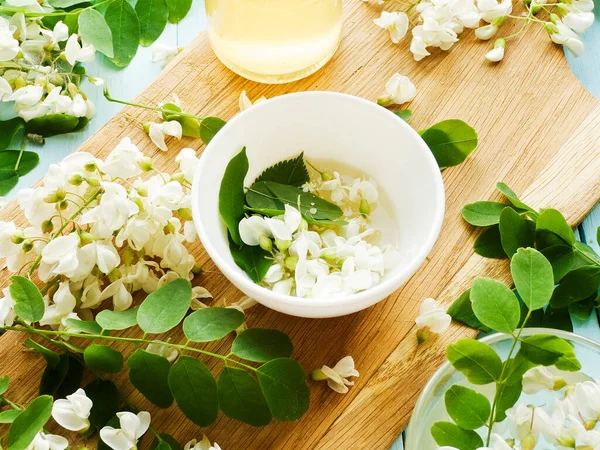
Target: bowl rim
x=443 y=370
x=381 y=290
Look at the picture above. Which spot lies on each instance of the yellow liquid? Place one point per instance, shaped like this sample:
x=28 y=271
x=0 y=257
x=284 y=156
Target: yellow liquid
x=274 y=41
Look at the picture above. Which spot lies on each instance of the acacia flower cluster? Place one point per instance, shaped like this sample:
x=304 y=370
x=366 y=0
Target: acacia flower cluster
x=98 y=231
x=38 y=68
x=440 y=22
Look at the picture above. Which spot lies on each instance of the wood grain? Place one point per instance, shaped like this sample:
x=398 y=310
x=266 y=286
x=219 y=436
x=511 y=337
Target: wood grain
x=540 y=137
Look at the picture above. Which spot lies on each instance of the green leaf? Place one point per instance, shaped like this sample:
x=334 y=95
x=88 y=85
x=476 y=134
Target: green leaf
x=27 y=424
x=251 y=259
x=576 y=285
x=178 y=9
x=262 y=345
x=509 y=395
x=52 y=124
x=63 y=4
x=461 y=311
x=195 y=390
x=274 y=196
x=9 y=416
x=561 y=258
x=52 y=358
x=495 y=305
x=29 y=302
x=210 y=125
x=117 y=320
x=514 y=199
x=4 y=383
x=291 y=171
x=231 y=195
x=211 y=324
x=8 y=180
x=548 y=350
x=533 y=277
x=166 y=439
x=103 y=358
x=153 y=15
x=165 y=308
x=476 y=360
x=557 y=318
x=584 y=253
x=283 y=383
x=54 y=375
x=483 y=214
x=553 y=221
x=72 y=379
x=95 y=31
x=469 y=409
x=149 y=373
x=106 y=402
x=8 y=130
x=450 y=141
x=84 y=326
x=189 y=126
x=28 y=162
x=241 y=398
x=515 y=231
x=583 y=308
x=515 y=368
x=451 y=435
x=125 y=27
x=489 y=244
x=404 y=114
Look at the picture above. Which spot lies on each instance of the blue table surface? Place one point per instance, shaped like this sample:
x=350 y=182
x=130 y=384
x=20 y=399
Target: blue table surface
x=128 y=82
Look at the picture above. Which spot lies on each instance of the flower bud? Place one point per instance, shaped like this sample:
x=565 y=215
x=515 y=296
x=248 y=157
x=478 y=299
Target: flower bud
x=63 y=205
x=47 y=226
x=20 y=83
x=364 y=207
x=49 y=88
x=185 y=213
x=282 y=245
x=169 y=228
x=565 y=440
x=550 y=28
x=422 y=335
x=17 y=238
x=56 y=80
x=142 y=191
x=54 y=197
x=73 y=89
x=554 y=18
x=528 y=442
x=90 y=167
x=385 y=100
x=498 y=21
x=48 y=46
x=318 y=375
x=27 y=245
x=265 y=243
x=86 y=237
x=291 y=262
x=146 y=127
x=197 y=269
x=535 y=8
x=94 y=182
x=562 y=10
x=145 y=164
x=326 y=176
x=76 y=180
x=559 y=383
x=329 y=254
x=590 y=424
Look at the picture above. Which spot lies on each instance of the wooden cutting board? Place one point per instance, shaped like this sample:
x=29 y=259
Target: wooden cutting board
x=539 y=132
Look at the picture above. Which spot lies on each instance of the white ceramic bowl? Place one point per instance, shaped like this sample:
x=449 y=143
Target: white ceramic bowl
x=334 y=127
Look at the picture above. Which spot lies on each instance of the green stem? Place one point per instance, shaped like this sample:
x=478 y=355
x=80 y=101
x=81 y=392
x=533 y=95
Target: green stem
x=9 y=403
x=152 y=108
x=65 y=225
x=20 y=154
x=27 y=13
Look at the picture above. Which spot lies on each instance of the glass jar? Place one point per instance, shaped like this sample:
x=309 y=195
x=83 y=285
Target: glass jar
x=274 y=41
x=430 y=406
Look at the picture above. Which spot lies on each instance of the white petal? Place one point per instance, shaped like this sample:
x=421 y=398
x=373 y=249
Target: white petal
x=116 y=439
x=279 y=229
x=251 y=228
x=72 y=49
x=292 y=218
x=172 y=128
x=156 y=135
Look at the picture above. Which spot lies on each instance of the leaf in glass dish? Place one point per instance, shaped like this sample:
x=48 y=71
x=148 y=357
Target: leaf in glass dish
x=274 y=196
x=553 y=221
x=209 y=127
x=450 y=141
x=8 y=180
x=241 y=398
x=495 y=305
x=404 y=114
x=469 y=409
x=8 y=130
x=509 y=395
x=515 y=231
x=483 y=214
x=514 y=199
x=476 y=360
x=461 y=311
x=576 y=285
x=178 y=9
x=125 y=27
x=292 y=171
x=548 y=350
x=533 y=277
x=52 y=124
x=95 y=31
x=231 y=195
x=489 y=245
x=153 y=15
x=451 y=435
x=251 y=259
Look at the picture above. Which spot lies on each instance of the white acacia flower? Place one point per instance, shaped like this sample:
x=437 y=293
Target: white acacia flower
x=579 y=21
x=60 y=255
x=164 y=54
x=283 y=229
x=158 y=131
x=27 y=95
x=337 y=377
x=46 y=441
x=199 y=292
x=188 y=161
x=491 y=9
x=434 y=316
x=486 y=32
x=251 y=228
x=527 y=420
x=562 y=34
x=395 y=22
x=418 y=48
x=586 y=398
x=9 y=46
x=64 y=304
x=204 y=444
x=5 y=90
x=245 y=103
x=73 y=412
x=495 y=55
x=123 y=161
x=399 y=89
x=132 y=428
x=59 y=33
x=75 y=53
x=121 y=297
x=7 y=311
x=539 y=379
x=165 y=351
